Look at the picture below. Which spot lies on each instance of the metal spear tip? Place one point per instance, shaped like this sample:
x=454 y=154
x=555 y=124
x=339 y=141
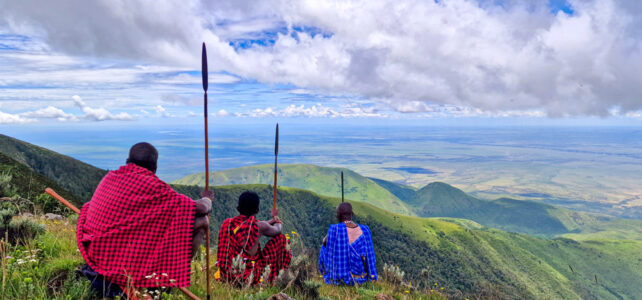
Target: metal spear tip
x=276 y=141
x=204 y=67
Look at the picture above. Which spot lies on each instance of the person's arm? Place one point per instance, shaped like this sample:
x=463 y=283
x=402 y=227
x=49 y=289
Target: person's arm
x=204 y=205
x=272 y=227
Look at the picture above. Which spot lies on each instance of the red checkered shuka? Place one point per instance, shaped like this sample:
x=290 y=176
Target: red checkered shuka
x=137 y=231
x=237 y=236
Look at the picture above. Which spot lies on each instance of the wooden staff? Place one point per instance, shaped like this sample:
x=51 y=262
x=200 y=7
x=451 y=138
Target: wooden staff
x=341 y=186
x=76 y=210
x=207 y=166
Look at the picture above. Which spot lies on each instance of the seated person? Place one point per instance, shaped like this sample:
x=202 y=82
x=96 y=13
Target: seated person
x=239 y=239
x=136 y=225
x=347 y=255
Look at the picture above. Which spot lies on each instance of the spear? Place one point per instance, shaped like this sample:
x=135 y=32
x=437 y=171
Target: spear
x=276 y=154
x=341 y=186
x=207 y=166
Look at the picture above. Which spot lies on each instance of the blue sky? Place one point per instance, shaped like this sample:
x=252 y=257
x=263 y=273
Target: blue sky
x=416 y=61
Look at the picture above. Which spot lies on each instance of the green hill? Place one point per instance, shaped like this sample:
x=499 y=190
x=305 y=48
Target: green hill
x=77 y=177
x=434 y=200
x=475 y=262
x=19 y=181
x=321 y=180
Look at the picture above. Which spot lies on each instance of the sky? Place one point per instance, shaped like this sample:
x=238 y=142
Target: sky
x=107 y=62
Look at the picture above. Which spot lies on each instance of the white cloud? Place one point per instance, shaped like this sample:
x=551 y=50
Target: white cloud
x=314 y=111
x=184 y=78
x=410 y=54
x=222 y=113
x=161 y=111
x=7 y=118
x=99 y=114
x=50 y=112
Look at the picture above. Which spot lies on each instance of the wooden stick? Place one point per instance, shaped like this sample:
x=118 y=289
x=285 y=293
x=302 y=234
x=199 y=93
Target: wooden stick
x=62 y=200
x=76 y=210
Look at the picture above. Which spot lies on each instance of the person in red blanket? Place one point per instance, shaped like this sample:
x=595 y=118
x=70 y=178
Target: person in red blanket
x=137 y=231
x=238 y=241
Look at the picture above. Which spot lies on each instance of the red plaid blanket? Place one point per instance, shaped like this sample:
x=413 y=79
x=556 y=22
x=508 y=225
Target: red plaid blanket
x=237 y=236
x=137 y=231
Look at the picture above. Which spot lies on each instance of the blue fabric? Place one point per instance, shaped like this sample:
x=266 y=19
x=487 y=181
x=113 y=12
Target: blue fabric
x=341 y=263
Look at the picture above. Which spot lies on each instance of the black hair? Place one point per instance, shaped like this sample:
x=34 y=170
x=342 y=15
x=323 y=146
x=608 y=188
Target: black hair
x=344 y=212
x=143 y=155
x=248 y=203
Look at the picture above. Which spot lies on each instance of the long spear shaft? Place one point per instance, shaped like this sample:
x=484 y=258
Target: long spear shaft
x=207 y=166
x=77 y=211
x=276 y=154
x=341 y=186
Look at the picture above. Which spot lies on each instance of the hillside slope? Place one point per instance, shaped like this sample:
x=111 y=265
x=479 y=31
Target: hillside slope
x=18 y=180
x=475 y=262
x=321 y=180
x=77 y=177
x=436 y=199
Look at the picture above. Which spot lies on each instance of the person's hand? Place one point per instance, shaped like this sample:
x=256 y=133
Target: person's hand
x=207 y=194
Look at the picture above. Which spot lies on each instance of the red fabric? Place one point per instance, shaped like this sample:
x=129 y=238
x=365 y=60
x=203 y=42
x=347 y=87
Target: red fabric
x=275 y=255
x=237 y=236
x=135 y=226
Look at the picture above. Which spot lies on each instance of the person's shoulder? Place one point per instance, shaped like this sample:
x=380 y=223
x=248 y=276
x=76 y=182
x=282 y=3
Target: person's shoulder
x=364 y=228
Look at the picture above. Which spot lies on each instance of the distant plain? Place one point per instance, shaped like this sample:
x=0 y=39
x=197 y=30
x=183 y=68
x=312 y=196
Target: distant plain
x=596 y=169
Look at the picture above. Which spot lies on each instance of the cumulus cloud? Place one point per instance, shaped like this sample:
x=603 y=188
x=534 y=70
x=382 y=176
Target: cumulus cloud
x=184 y=78
x=314 y=111
x=161 y=111
x=7 y=118
x=50 y=112
x=99 y=114
x=515 y=57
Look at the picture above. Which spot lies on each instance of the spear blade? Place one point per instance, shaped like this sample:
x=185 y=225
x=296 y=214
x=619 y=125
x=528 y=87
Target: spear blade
x=204 y=67
x=276 y=155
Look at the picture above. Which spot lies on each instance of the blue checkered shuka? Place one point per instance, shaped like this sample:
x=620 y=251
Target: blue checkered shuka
x=341 y=262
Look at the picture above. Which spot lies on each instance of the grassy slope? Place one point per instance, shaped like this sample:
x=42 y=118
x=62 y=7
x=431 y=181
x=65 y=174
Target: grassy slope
x=321 y=180
x=52 y=275
x=25 y=182
x=443 y=200
x=73 y=175
x=474 y=262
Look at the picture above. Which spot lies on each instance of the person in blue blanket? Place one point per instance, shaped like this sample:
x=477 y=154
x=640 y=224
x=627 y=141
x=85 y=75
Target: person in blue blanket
x=347 y=255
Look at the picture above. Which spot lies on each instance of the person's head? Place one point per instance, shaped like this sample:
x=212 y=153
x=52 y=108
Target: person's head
x=344 y=212
x=143 y=155
x=248 y=203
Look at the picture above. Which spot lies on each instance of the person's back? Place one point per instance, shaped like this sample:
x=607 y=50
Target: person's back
x=347 y=255
x=136 y=225
x=239 y=237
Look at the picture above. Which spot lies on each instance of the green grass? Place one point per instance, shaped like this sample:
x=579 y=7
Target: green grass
x=52 y=275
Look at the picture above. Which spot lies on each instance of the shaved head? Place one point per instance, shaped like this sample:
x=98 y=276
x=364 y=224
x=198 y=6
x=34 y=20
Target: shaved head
x=344 y=212
x=143 y=155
